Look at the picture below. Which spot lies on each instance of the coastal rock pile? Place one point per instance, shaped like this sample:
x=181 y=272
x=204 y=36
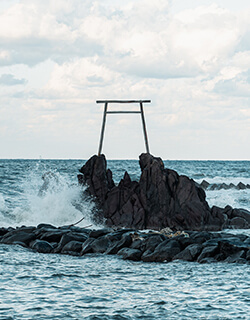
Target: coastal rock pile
x=150 y=246
x=160 y=199
x=219 y=186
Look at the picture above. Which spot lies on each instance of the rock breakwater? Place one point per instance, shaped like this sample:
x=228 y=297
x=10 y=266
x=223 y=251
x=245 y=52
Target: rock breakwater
x=147 y=246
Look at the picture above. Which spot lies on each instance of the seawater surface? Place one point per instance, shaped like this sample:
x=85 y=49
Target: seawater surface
x=50 y=286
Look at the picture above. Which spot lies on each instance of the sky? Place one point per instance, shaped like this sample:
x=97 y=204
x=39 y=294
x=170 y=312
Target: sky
x=190 y=58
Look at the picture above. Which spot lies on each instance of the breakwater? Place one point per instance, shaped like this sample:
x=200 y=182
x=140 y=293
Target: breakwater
x=135 y=245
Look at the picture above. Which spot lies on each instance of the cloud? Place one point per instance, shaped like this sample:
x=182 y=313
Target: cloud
x=10 y=80
x=193 y=65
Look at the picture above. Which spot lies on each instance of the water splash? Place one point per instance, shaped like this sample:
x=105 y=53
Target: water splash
x=48 y=197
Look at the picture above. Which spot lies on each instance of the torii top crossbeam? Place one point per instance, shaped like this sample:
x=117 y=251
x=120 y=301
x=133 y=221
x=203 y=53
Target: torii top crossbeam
x=106 y=102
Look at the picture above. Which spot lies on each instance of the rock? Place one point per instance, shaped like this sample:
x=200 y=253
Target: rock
x=125 y=241
x=209 y=251
x=42 y=246
x=248 y=255
x=190 y=253
x=72 y=246
x=241 y=186
x=3 y=231
x=46 y=225
x=53 y=236
x=204 y=184
x=18 y=236
x=66 y=238
x=238 y=222
x=99 y=232
x=87 y=246
x=238 y=257
x=160 y=199
x=130 y=254
x=100 y=245
x=165 y=251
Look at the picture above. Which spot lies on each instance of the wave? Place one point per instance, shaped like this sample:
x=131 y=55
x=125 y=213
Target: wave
x=52 y=199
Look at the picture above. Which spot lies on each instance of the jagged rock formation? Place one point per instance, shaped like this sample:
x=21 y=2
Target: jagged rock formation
x=161 y=198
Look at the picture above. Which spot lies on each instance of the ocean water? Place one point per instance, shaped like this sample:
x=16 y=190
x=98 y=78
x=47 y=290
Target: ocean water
x=49 y=286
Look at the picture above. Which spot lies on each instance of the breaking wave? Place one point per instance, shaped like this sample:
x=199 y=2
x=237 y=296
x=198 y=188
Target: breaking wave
x=46 y=197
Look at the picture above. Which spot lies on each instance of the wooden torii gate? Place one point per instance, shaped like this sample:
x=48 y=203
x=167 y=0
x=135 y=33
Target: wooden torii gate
x=106 y=102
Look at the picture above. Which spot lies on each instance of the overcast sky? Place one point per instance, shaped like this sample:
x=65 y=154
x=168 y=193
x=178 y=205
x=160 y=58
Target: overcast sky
x=191 y=58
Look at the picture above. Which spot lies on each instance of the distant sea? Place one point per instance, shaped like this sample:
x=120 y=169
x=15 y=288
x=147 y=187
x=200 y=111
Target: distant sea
x=48 y=286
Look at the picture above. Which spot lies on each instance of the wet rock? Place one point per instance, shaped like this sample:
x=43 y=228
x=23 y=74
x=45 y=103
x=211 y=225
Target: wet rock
x=42 y=246
x=53 y=236
x=238 y=257
x=125 y=241
x=3 y=231
x=45 y=225
x=241 y=186
x=99 y=232
x=100 y=245
x=18 y=236
x=238 y=222
x=71 y=236
x=130 y=254
x=248 y=255
x=87 y=246
x=72 y=246
x=165 y=251
x=209 y=251
x=190 y=253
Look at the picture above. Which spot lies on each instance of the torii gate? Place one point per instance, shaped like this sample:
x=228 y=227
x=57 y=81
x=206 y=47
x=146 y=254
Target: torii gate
x=106 y=102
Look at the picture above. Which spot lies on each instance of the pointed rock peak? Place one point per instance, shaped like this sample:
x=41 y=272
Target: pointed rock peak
x=127 y=178
x=146 y=159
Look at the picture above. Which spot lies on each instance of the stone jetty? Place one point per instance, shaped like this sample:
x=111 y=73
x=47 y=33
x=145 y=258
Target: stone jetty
x=129 y=244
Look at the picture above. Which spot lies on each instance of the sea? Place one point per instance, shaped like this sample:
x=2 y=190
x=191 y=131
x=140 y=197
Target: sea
x=105 y=287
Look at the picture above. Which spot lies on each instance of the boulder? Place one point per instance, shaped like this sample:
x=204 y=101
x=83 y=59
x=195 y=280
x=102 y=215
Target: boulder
x=42 y=246
x=130 y=254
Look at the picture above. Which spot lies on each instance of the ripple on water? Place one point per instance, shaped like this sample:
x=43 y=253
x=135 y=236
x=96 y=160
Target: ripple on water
x=40 y=286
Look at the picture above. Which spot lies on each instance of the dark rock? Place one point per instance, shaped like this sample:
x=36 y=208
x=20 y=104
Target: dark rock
x=87 y=246
x=209 y=251
x=3 y=231
x=53 y=236
x=99 y=232
x=20 y=243
x=238 y=257
x=125 y=241
x=18 y=236
x=165 y=251
x=190 y=253
x=46 y=225
x=248 y=255
x=71 y=236
x=238 y=222
x=204 y=184
x=100 y=245
x=42 y=246
x=130 y=254
x=160 y=199
x=241 y=186
x=72 y=246
x=208 y=260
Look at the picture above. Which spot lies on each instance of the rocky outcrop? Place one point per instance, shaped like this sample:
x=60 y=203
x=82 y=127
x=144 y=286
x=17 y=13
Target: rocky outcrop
x=160 y=199
x=151 y=246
